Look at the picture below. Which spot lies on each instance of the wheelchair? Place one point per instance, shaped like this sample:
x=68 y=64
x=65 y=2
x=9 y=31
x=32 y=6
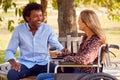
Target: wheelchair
x=100 y=75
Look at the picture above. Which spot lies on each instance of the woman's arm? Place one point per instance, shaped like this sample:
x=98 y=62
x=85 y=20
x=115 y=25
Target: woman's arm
x=88 y=54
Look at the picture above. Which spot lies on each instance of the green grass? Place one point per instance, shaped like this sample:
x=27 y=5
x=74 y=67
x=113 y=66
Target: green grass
x=2 y=57
x=8 y=14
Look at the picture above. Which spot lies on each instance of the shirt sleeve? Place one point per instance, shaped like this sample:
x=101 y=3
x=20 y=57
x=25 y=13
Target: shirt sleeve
x=87 y=55
x=53 y=41
x=12 y=46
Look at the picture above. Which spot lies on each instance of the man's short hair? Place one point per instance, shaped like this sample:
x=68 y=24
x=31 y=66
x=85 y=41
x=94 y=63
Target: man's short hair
x=29 y=7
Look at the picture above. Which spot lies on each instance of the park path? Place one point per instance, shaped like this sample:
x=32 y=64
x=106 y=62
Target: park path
x=114 y=69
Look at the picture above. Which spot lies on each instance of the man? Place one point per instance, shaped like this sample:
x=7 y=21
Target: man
x=33 y=38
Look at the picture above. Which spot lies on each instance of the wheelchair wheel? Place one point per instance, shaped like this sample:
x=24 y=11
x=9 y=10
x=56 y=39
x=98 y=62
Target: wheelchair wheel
x=69 y=76
x=98 y=76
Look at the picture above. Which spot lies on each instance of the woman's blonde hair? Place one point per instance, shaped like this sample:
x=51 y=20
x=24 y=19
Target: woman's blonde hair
x=90 y=18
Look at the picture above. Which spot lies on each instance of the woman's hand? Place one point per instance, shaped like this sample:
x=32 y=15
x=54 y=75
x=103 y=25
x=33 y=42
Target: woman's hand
x=67 y=58
x=65 y=51
x=59 y=54
x=62 y=69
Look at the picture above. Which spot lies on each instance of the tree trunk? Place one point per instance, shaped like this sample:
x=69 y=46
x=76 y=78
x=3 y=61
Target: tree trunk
x=44 y=4
x=66 y=18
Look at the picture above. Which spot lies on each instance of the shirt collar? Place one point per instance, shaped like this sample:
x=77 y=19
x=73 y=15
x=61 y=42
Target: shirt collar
x=29 y=27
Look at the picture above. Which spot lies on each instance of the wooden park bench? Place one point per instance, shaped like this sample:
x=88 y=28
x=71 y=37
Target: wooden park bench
x=5 y=67
x=71 y=43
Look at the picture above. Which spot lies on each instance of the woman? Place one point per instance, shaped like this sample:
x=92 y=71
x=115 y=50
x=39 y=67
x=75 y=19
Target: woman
x=92 y=40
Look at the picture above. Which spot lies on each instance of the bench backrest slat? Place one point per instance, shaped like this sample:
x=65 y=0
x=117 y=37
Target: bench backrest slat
x=71 y=43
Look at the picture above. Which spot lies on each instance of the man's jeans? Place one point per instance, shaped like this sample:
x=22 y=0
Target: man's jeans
x=25 y=72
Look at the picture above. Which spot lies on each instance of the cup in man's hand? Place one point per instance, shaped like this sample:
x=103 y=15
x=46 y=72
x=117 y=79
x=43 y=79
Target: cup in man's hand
x=53 y=52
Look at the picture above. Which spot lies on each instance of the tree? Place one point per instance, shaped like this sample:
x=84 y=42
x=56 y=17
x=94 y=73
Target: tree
x=66 y=17
x=66 y=12
x=112 y=6
x=44 y=4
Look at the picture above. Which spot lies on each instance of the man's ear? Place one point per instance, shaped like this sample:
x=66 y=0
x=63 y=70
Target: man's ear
x=27 y=18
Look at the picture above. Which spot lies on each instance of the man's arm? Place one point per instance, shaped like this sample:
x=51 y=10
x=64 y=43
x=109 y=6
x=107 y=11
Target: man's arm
x=11 y=50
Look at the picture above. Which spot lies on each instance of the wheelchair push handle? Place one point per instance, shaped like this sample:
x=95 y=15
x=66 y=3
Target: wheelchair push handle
x=111 y=46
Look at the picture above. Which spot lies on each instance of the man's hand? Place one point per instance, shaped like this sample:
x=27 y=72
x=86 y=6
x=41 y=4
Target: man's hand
x=14 y=65
x=59 y=53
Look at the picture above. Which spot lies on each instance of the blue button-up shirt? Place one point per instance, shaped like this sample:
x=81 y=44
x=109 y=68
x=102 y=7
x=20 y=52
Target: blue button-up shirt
x=33 y=49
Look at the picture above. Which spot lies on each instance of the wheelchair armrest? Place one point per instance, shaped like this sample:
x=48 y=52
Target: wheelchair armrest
x=67 y=63
x=73 y=64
